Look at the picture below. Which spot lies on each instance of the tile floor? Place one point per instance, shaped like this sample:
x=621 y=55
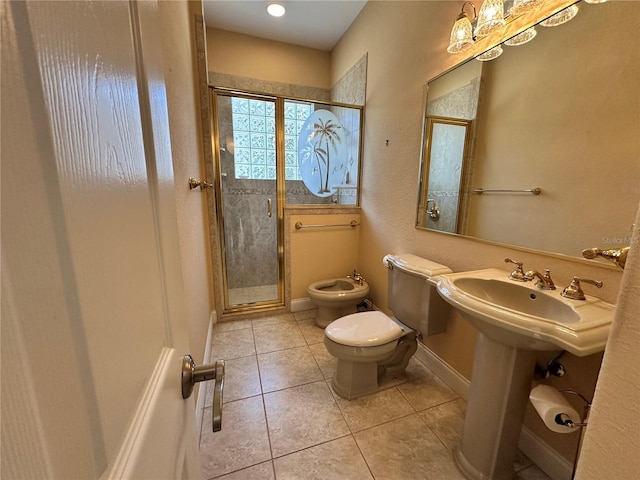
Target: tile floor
x=281 y=419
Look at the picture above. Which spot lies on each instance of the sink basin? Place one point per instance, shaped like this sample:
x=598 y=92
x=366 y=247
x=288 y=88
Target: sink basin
x=520 y=315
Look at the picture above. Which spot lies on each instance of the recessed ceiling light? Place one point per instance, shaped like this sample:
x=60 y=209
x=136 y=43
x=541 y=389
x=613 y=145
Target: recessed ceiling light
x=275 y=10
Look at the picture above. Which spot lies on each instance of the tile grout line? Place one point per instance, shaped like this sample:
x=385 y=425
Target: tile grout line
x=264 y=405
x=363 y=457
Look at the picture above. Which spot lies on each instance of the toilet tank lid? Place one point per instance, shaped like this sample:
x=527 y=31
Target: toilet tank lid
x=416 y=265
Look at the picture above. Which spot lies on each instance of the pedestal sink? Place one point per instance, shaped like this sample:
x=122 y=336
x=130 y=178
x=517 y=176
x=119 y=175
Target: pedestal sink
x=514 y=320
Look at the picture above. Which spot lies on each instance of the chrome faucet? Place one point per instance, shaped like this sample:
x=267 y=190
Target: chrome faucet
x=356 y=277
x=544 y=281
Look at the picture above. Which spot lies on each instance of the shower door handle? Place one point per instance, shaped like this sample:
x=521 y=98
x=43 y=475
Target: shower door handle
x=269 y=212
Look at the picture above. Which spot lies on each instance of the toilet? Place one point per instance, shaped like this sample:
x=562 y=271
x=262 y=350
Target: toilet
x=373 y=349
x=337 y=297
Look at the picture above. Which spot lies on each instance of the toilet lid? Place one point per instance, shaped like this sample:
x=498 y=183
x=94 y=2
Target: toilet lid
x=366 y=329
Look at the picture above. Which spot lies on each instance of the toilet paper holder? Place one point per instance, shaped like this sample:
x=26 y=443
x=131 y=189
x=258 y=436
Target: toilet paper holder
x=571 y=424
x=564 y=419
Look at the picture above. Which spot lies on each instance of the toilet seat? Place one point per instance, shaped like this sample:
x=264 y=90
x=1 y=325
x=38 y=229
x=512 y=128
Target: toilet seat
x=366 y=329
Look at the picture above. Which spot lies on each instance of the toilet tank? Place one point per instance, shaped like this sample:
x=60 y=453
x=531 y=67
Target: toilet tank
x=413 y=297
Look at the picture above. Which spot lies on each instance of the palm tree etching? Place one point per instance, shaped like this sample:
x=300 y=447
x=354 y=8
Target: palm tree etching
x=329 y=132
x=319 y=155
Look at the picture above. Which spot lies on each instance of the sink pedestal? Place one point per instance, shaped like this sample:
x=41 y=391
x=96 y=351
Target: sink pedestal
x=500 y=386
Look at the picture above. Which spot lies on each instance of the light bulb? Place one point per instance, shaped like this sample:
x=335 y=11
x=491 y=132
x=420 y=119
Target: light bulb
x=490 y=18
x=461 y=35
x=275 y=9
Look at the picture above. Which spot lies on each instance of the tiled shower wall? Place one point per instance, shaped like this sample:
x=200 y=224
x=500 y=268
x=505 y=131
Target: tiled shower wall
x=251 y=236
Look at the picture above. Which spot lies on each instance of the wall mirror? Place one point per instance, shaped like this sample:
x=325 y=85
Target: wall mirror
x=558 y=116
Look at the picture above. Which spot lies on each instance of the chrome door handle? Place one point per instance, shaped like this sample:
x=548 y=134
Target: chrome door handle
x=269 y=213
x=211 y=371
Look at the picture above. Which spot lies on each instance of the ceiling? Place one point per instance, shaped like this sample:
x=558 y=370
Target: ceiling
x=310 y=23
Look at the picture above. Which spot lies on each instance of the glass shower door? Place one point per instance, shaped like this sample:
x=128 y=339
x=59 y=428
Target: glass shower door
x=245 y=129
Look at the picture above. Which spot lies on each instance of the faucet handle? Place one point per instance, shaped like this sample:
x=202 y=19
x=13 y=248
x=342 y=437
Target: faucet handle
x=518 y=273
x=574 y=290
x=546 y=282
x=356 y=277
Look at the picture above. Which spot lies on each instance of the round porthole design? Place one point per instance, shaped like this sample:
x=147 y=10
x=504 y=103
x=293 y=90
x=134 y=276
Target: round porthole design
x=322 y=153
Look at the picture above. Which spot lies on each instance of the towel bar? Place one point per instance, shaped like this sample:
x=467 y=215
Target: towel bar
x=353 y=223
x=534 y=191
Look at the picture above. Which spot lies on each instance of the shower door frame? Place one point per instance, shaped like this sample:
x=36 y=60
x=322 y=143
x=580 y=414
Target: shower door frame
x=423 y=189
x=219 y=253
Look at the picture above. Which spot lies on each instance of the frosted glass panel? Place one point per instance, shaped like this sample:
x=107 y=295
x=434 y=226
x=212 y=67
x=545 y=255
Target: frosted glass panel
x=328 y=153
x=254 y=131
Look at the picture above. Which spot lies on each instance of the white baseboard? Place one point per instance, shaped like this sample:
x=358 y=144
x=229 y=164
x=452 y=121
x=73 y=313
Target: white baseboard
x=202 y=392
x=301 y=304
x=539 y=452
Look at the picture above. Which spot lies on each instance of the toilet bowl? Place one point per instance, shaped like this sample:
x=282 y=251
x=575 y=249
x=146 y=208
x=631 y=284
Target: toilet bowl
x=335 y=298
x=373 y=349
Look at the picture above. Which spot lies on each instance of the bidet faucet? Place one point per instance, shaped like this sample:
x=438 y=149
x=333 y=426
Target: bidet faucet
x=544 y=281
x=356 y=277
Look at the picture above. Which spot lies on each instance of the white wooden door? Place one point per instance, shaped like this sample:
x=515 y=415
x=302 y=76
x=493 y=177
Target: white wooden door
x=93 y=328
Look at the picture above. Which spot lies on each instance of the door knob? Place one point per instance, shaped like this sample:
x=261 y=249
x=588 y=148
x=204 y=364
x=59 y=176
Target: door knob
x=193 y=183
x=211 y=371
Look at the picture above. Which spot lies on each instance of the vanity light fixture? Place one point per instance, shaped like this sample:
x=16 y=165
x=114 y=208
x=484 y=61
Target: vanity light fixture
x=561 y=17
x=275 y=9
x=490 y=18
x=462 y=31
x=522 y=38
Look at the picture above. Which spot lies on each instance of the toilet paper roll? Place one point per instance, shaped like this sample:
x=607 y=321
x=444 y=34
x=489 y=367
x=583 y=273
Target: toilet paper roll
x=549 y=403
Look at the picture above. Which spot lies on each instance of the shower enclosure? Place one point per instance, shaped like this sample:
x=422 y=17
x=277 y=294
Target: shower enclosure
x=247 y=198
x=260 y=165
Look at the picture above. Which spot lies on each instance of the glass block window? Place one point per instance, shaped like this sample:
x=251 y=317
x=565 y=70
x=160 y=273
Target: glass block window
x=254 y=137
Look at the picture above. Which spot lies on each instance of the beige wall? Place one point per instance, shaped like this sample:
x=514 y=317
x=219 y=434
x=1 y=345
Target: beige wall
x=320 y=253
x=178 y=42
x=406 y=44
x=247 y=56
